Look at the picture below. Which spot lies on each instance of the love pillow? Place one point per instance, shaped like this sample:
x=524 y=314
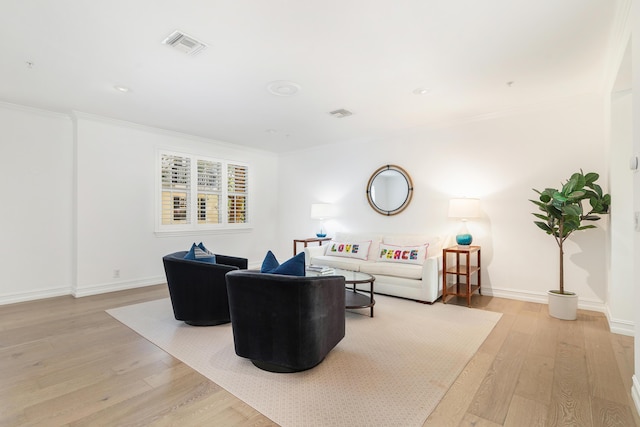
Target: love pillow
x=359 y=250
x=404 y=254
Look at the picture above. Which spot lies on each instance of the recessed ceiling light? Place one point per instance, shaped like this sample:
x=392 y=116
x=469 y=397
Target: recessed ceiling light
x=283 y=88
x=341 y=113
x=271 y=131
x=421 y=91
x=122 y=89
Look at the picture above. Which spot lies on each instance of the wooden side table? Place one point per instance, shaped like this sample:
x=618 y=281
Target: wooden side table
x=461 y=271
x=319 y=240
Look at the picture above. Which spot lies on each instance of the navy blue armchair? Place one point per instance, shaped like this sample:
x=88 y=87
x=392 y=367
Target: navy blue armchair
x=285 y=323
x=198 y=290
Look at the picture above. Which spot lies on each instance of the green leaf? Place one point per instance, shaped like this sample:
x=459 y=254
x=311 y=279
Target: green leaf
x=596 y=204
x=570 y=185
x=590 y=193
x=576 y=195
x=591 y=177
x=544 y=227
x=542 y=217
x=559 y=197
x=572 y=210
x=585 y=227
x=555 y=213
x=597 y=189
x=571 y=223
x=579 y=181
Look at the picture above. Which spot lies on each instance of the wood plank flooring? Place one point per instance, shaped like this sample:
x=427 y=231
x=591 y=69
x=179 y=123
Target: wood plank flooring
x=65 y=362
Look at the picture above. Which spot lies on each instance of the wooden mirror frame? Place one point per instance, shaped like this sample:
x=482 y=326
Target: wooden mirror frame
x=404 y=204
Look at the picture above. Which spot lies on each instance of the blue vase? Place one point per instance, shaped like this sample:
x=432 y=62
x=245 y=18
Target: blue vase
x=464 y=239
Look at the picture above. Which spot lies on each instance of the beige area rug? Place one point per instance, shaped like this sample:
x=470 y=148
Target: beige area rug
x=390 y=370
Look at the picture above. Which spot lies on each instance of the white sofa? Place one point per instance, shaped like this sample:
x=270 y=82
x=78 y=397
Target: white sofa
x=419 y=280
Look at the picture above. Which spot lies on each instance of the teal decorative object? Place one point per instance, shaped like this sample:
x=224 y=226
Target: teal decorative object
x=464 y=209
x=321 y=211
x=464 y=239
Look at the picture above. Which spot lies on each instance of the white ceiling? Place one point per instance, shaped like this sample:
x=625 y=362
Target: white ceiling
x=366 y=56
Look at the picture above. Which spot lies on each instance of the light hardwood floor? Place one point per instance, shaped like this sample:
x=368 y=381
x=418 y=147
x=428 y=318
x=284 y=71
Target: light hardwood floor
x=64 y=361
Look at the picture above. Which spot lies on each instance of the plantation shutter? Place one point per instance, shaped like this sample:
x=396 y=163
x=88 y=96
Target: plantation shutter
x=176 y=189
x=237 y=190
x=209 y=192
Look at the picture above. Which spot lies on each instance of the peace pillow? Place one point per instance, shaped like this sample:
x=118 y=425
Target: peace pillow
x=359 y=250
x=403 y=254
x=291 y=267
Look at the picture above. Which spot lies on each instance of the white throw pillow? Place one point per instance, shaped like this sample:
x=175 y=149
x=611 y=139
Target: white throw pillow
x=363 y=237
x=358 y=250
x=434 y=241
x=405 y=254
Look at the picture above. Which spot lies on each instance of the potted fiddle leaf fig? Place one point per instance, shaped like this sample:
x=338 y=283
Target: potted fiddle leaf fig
x=565 y=210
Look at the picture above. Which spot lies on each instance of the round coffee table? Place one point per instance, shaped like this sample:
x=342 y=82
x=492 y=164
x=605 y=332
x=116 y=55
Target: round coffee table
x=353 y=298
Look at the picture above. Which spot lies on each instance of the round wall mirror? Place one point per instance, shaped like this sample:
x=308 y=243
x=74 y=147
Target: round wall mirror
x=389 y=190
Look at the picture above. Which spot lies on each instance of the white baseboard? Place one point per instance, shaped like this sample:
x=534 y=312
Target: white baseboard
x=81 y=292
x=619 y=326
x=117 y=286
x=515 y=294
x=34 y=295
x=635 y=393
x=540 y=297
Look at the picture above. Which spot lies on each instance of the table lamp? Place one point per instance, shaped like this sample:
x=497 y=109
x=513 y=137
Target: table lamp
x=321 y=211
x=464 y=209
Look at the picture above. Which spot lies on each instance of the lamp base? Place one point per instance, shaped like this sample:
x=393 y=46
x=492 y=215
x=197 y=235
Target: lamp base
x=464 y=239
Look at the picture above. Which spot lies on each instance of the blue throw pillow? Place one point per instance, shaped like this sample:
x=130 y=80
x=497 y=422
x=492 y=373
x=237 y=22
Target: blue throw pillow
x=201 y=246
x=270 y=263
x=291 y=267
x=200 y=253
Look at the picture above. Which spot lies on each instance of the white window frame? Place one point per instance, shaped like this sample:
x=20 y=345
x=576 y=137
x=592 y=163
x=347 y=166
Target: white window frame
x=193 y=227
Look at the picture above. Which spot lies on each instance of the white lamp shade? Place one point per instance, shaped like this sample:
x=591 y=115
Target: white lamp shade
x=464 y=208
x=321 y=211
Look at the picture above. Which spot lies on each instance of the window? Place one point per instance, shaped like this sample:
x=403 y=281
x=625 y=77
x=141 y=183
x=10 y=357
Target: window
x=237 y=194
x=193 y=191
x=175 y=189
x=209 y=191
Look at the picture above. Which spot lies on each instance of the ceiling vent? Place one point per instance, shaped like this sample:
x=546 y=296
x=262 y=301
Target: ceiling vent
x=341 y=113
x=184 y=43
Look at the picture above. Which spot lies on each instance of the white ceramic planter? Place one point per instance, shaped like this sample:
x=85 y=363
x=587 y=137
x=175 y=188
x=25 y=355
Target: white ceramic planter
x=563 y=306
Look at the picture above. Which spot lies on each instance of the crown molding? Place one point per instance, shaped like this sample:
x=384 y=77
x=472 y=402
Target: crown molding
x=34 y=110
x=619 y=38
x=79 y=115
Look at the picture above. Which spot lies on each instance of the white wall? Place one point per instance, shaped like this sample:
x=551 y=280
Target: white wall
x=635 y=16
x=36 y=219
x=117 y=173
x=620 y=310
x=499 y=160
x=80 y=203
